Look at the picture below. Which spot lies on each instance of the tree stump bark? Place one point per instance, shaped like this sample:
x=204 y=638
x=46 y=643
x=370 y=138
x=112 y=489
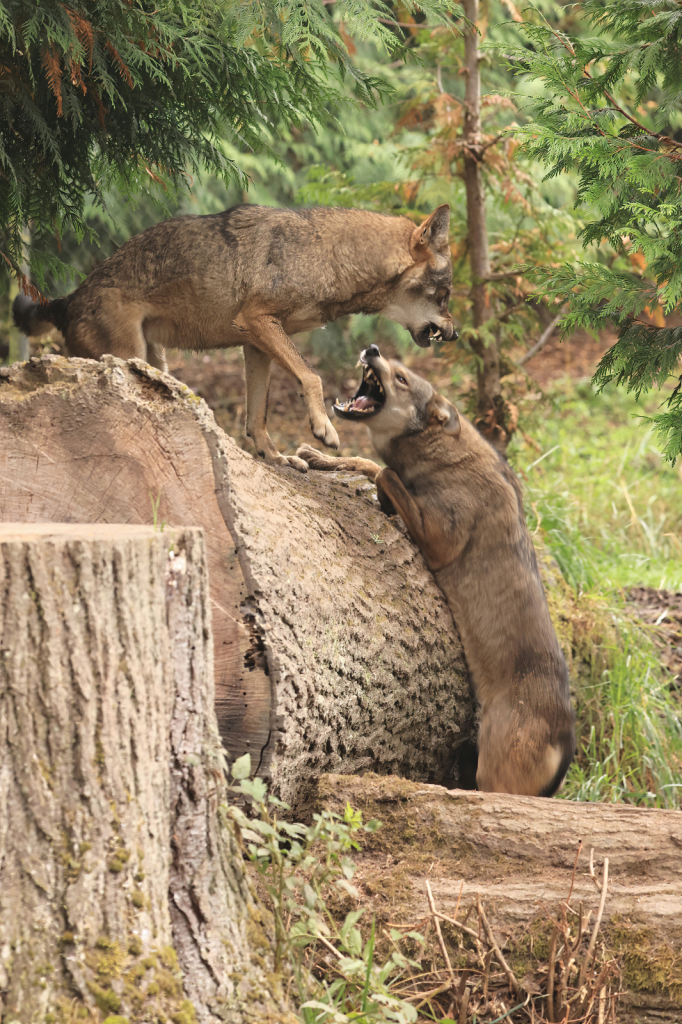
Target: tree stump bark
x=119 y=887
x=334 y=649
x=518 y=854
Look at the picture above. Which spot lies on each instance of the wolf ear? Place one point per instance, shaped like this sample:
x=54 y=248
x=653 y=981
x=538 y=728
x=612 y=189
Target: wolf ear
x=433 y=233
x=440 y=411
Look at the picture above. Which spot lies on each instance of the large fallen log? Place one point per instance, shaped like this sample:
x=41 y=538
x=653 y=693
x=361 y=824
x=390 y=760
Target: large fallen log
x=518 y=855
x=334 y=649
x=122 y=892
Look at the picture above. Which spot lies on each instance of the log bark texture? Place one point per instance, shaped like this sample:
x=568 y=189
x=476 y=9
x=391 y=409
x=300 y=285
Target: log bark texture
x=119 y=886
x=334 y=649
x=518 y=854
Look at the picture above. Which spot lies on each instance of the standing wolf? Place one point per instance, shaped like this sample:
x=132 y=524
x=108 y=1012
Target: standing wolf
x=252 y=276
x=462 y=506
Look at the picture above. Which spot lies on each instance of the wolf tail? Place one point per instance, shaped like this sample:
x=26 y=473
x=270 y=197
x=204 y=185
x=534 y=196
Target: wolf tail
x=37 y=318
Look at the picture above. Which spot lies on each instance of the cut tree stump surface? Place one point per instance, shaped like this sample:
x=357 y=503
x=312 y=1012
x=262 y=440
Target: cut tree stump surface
x=518 y=854
x=334 y=649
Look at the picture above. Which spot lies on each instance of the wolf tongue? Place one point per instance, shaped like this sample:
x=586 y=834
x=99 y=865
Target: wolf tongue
x=364 y=402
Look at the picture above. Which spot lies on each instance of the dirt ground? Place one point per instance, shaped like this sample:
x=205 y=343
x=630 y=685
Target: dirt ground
x=662 y=609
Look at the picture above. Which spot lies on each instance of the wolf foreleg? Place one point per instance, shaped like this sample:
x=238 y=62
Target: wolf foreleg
x=331 y=463
x=438 y=545
x=266 y=334
x=257 y=377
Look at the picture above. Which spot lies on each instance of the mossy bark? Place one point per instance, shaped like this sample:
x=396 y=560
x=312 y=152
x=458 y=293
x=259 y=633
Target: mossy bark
x=334 y=648
x=519 y=855
x=120 y=889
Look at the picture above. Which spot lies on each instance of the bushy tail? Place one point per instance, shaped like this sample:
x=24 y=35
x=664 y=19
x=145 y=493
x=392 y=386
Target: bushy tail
x=37 y=318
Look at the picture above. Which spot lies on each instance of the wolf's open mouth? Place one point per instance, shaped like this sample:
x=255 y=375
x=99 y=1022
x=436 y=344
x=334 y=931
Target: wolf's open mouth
x=368 y=400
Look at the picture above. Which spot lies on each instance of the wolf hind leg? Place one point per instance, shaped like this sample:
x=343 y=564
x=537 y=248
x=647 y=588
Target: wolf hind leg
x=156 y=356
x=516 y=753
x=114 y=327
x=257 y=376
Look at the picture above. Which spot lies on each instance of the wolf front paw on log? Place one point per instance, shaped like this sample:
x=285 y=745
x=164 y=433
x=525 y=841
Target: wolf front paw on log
x=462 y=506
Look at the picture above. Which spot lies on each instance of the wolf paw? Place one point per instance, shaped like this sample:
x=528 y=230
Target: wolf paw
x=273 y=458
x=313 y=458
x=300 y=464
x=325 y=433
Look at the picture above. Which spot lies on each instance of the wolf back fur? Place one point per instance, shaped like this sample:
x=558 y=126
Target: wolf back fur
x=252 y=276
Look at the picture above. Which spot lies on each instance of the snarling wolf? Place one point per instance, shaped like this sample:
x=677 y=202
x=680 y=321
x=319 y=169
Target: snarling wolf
x=462 y=506
x=252 y=276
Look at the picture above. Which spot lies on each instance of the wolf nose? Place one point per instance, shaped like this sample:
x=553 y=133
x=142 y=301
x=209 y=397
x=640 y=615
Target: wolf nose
x=373 y=350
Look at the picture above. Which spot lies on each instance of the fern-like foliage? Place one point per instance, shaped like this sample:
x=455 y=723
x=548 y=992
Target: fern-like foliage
x=126 y=93
x=612 y=112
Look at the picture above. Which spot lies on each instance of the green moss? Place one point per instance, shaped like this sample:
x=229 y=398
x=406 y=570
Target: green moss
x=116 y=1020
x=169 y=984
x=649 y=965
x=135 y=946
x=137 y=899
x=107 y=959
x=153 y=989
x=532 y=948
x=186 y=1014
x=106 y=999
x=67 y=938
x=169 y=958
x=149 y=962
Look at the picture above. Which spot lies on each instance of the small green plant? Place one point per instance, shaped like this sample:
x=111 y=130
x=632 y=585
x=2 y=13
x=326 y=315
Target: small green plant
x=300 y=866
x=156 y=501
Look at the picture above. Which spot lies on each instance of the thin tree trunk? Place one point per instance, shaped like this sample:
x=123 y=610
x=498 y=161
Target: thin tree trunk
x=490 y=418
x=334 y=648
x=120 y=889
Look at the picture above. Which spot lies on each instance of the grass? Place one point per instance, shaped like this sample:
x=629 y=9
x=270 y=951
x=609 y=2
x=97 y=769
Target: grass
x=609 y=511
x=602 y=487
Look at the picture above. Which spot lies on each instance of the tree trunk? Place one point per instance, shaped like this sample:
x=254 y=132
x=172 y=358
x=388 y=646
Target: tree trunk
x=490 y=418
x=519 y=854
x=334 y=649
x=119 y=887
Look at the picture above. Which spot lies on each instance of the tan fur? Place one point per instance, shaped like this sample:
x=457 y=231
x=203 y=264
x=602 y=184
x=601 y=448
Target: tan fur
x=462 y=505
x=252 y=276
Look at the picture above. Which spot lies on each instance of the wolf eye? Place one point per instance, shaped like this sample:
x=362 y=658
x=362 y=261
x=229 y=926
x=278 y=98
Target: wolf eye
x=401 y=380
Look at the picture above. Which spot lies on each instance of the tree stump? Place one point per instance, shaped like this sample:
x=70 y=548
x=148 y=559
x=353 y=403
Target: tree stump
x=334 y=649
x=119 y=886
x=518 y=854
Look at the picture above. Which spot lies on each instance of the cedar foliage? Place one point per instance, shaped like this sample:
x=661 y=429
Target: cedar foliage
x=123 y=94
x=612 y=113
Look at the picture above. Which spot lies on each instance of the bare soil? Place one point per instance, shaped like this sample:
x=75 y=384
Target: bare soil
x=662 y=609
